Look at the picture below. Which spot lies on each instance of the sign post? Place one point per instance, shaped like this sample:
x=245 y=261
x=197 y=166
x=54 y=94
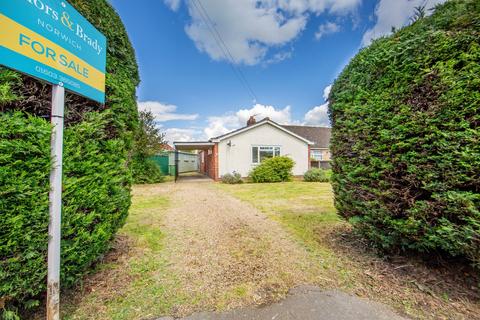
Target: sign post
x=55 y=204
x=53 y=42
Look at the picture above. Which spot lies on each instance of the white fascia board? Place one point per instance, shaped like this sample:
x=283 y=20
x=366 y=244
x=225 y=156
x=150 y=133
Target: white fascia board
x=260 y=124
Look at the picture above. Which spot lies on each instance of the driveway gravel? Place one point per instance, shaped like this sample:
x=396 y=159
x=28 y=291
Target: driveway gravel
x=227 y=255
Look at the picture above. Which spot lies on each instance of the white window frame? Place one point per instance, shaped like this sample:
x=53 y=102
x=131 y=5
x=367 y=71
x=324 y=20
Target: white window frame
x=273 y=147
x=318 y=152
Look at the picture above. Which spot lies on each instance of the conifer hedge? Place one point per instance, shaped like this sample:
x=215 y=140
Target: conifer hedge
x=97 y=175
x=406 y=135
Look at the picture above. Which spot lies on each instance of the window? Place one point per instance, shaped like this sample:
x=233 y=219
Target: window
x=260 y=153
x=255 y=154
x=316 y=155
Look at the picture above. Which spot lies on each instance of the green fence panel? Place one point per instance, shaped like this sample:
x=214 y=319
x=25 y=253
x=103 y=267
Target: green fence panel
x=162 y=162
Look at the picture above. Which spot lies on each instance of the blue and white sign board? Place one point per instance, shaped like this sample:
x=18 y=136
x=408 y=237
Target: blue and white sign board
x=50 y=40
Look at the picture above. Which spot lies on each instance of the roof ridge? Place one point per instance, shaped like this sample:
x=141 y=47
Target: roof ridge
x=304 y=126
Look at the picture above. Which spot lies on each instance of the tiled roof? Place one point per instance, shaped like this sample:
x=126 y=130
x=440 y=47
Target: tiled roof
x=319 y=135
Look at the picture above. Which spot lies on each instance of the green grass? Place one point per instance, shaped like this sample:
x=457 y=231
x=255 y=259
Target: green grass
x=301 y=206
x=307 y=210
x=169 y=178
x=149 y=289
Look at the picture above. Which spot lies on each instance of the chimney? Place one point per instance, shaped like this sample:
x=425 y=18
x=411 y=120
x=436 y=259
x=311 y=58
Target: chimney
x=251 y=121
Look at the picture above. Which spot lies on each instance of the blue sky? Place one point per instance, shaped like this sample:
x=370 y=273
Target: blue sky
x=190 y=53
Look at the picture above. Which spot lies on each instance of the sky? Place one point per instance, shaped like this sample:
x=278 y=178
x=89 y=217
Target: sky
x=207 y=65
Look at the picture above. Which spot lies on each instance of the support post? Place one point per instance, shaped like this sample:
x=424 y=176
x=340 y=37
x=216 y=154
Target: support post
x=176 y=164
x=55 y=204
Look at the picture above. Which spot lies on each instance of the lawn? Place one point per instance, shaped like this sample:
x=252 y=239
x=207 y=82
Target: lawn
x=135 y=279
x=132 y=281
x=343 y=260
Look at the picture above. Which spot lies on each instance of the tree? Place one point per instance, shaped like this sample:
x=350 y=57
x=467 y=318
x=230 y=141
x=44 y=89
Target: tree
x=419 y=13
x=148 y=140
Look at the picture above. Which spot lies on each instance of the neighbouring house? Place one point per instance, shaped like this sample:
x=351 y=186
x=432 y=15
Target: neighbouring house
x=320 y=150
x=167 y=147
x=243 y=149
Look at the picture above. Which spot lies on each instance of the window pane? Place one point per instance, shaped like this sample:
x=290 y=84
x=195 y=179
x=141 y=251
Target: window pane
x=265 y=153
x=317 y=154
x=255 y=154
x=277 y=151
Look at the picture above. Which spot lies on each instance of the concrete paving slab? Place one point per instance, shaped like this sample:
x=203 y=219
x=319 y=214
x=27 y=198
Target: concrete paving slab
x=308 y=303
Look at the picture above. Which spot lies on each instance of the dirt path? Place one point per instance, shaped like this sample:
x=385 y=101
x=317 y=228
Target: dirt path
x=226 y=253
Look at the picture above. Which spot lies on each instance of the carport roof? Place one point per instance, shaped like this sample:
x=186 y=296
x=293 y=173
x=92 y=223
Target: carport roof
x=193 y=145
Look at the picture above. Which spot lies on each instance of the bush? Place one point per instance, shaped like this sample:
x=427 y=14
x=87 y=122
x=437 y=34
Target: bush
x=232 y=178
x=97 y=171
x=149 y=141
x=406 y=135
x=146 y=171
x=275 y=169
x=316 y=175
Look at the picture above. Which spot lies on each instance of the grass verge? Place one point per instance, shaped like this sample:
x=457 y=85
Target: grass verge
x=417 y=287
x=132 y=281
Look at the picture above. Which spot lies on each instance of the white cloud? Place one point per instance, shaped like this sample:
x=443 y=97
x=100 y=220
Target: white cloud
x=278 y=57
x=394 y=13
x=318 y=116
x=181 y=134
x=318 y=6
x=326 y=92
x=219 y=125
x=173 y=4
x=222 y=124
x=249 y=28
x=164 y=112
x=326 y=29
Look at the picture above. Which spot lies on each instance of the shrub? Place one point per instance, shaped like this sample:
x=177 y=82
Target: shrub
x=146 y=171
x=232 y=178
x=316 y=175
x=406 y=137
x=148 y=142
x=275 y=169
x=97 y=171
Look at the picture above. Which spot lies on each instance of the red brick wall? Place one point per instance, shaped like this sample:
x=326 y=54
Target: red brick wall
x=202 y=158
x=212 y=163
x=309 y=157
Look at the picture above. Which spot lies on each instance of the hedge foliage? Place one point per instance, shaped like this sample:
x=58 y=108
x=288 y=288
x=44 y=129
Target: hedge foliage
x=148 y=142
x=406 y=137
x=277 y=169
x=316 y=175
x=232 y=178
x=146 y=171
x=97 y=174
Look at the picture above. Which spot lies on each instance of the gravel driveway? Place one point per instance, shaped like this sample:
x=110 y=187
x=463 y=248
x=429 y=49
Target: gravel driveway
x=227 y=255
x=226 y=252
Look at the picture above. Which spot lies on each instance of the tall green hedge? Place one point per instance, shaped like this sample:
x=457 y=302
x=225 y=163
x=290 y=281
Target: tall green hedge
x=406 y=136
x=97 y=174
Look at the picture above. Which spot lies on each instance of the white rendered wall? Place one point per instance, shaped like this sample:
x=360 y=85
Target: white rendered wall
x=238 y=156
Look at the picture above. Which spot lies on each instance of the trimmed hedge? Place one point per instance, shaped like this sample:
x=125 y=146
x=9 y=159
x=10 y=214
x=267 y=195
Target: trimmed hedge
x=406 y=137
x=97 y=174
x=146 y=171
x=316 y=175
x=276 y=169
x=232 y=178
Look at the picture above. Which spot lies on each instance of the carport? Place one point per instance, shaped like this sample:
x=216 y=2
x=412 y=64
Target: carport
x=207 y=158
